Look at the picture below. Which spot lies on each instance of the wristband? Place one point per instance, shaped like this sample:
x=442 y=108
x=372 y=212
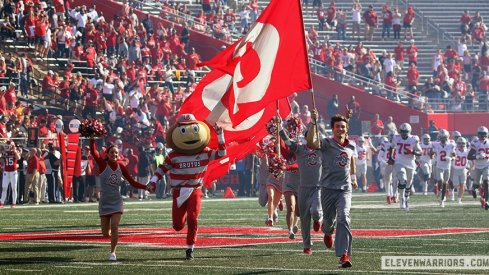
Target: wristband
x=154 y=179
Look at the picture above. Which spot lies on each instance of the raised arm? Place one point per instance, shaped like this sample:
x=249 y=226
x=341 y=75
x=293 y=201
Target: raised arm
x=221 y=141
x=288 y=142
x=312 y=132
x=96 y=156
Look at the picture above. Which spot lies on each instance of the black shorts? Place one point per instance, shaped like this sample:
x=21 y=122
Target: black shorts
x=467 y=68
x=206 y=8
x=91 y=180
x=39 y=40
x=406 y=25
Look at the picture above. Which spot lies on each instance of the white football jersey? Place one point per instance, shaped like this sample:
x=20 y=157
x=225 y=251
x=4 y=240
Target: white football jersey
x=444 y=154
x=461 y=161
x=426 y=150
x=361 y=155
x=404 y=149
x=481 y=148
x=381 y=155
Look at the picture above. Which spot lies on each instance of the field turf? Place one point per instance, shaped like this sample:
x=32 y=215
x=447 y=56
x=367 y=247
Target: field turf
x=276 y=256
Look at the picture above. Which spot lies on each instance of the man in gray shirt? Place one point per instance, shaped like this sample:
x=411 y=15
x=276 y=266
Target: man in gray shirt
x=309 y=194
x=337 y=180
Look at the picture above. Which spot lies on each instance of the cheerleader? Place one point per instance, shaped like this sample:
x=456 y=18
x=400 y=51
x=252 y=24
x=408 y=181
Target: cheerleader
x=110 y=203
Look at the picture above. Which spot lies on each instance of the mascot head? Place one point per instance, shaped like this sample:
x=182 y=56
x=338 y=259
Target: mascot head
x=188 y=136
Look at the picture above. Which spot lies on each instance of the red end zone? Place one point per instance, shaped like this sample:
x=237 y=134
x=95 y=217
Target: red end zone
x=213 y=236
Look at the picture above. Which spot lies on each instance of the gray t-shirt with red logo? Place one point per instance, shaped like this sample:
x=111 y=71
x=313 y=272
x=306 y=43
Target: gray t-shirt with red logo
x=336 y=160
x=309 y=162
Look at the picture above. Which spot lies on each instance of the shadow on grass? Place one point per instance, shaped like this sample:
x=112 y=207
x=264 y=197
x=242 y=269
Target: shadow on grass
x=44 y=248
x=34 y=260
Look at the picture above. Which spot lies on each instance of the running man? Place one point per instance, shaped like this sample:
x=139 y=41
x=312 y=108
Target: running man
x=479 y=152
x=337 y=180
x=309 y=194
x=460 y=164
x=444 y=152
x=425 y=160
x=406 y=148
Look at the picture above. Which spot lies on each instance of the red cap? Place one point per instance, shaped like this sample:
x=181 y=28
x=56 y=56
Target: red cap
x=186 y=119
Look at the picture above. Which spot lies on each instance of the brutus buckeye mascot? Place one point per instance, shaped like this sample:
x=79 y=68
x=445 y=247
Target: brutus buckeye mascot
x=186 y=165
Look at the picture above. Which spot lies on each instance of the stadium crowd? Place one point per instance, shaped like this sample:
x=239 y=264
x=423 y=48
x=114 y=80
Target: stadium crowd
x=459 y=82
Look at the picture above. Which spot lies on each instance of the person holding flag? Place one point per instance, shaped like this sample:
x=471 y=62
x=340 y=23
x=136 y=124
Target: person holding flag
x=337 y=180
x=308 y=193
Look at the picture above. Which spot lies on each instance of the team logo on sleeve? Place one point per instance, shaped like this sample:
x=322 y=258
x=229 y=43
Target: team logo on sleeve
x=342 y=159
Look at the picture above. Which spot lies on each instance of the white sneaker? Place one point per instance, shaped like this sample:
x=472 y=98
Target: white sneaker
x=112 y=257
x=291 y=235
x=459 y=201
x=442 y=204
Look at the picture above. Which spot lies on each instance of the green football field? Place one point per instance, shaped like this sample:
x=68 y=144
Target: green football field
x=65 y=239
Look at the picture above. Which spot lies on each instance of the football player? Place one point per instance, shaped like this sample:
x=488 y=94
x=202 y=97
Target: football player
x=425 y=161
x=10 y=158
x=362 y=147
x=444 y=152
x=460 y=164
x=406 y=149
x=479 y=152
x=386 y=168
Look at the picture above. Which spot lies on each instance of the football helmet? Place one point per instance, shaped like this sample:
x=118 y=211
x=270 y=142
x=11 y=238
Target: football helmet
x=405 y=130
x=482 y=132
x=426 y=138
x=456 y=135
x=461 y=140
x=443 y=135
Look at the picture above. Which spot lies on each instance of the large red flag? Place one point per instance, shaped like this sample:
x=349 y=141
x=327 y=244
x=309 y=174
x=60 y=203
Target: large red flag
x=207 y=104
x=269 y=63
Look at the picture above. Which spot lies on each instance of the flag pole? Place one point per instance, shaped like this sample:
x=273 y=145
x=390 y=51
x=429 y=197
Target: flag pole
x=278 y=134
x=313 y=99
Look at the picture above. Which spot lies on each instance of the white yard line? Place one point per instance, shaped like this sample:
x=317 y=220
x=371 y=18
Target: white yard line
x=193 y=266
x=74 y=266
x=25 y=270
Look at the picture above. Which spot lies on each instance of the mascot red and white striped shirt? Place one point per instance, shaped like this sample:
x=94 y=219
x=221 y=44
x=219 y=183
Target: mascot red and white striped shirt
x=188 y=170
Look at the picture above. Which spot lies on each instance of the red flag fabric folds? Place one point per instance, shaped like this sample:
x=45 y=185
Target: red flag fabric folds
x=269 y=63
x=251 y=81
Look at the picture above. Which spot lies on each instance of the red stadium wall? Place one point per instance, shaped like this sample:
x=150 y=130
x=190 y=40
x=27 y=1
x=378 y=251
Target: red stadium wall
x=465 y=123
x=324 y=89
x=206 y=46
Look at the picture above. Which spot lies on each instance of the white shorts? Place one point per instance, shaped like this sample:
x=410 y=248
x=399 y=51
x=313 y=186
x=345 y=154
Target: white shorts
x=361 y=169
x=386 y=169
x=442 y=174
x=426 y=168
x=481 y=174
x=459 y=177
x=403 y=174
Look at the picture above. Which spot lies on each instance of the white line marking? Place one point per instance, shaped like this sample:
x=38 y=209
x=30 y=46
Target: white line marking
x=25 y=270
x=71 y=266
x=150 y=264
